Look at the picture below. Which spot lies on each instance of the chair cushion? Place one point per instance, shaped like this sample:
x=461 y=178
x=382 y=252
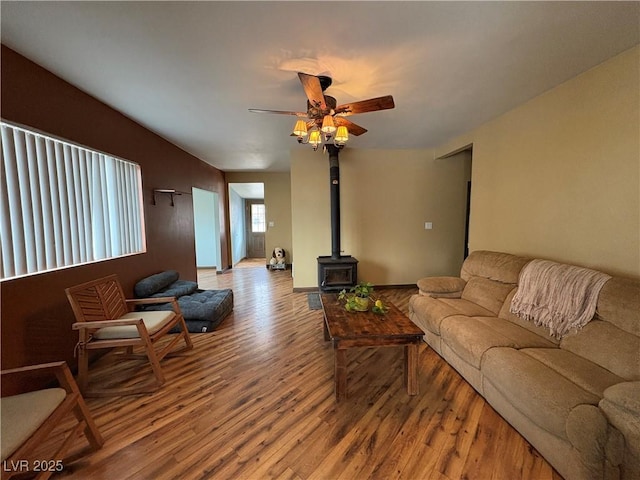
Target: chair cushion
x=154 y=321
x=23 y=414
x=154 y=283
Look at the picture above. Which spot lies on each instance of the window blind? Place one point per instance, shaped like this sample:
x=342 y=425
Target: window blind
x=63 y=204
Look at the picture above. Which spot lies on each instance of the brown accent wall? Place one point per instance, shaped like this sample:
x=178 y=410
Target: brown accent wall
x=36 y=317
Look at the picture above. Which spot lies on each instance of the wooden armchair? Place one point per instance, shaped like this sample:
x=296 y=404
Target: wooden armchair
x=104 y=320
x=28 y=419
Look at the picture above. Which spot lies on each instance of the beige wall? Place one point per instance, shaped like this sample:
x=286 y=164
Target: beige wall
x=558 y=177
x=277 y=200
x=386 y=197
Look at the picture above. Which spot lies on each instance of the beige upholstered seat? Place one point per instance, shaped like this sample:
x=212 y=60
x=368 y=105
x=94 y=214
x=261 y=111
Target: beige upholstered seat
x=27 y=420
x=153 y=322
x=104 y=320
x=23 y=414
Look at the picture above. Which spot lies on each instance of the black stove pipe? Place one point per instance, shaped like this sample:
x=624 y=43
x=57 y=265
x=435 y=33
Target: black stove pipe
x=334 y=177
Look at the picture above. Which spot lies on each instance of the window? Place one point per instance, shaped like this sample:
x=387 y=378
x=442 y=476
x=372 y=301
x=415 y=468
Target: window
x=258 y=218
x=64 y=204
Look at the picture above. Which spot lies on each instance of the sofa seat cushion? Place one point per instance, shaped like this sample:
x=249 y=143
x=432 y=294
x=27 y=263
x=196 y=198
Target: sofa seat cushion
x=466 y=307
x=587 y=375
x=536 y=390
x=428 y=312
x=471 y=337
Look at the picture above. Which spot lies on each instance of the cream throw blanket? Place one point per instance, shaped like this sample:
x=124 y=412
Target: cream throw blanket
x=557 y=296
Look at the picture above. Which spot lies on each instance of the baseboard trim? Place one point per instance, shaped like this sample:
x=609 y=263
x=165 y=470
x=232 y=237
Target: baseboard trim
x=377 y=287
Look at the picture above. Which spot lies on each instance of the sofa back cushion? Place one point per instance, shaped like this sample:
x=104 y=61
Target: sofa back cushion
x=612 y=338
x=608 y=346
x=486 y=293
x=490 y=276
x=506 y=314
x=619 y=303
x=497 y=266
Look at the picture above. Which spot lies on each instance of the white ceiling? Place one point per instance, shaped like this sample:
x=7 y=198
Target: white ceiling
x=248 y=190
x=190 y=71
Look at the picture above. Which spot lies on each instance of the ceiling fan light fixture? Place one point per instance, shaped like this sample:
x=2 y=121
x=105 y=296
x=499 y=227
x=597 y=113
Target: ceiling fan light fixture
x=328 y=127
x=320 y=125
x=300 y=129
x=342 y=135
x=315 y=138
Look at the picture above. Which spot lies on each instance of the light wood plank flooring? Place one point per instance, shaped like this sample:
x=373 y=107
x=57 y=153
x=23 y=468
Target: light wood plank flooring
x=255 y=400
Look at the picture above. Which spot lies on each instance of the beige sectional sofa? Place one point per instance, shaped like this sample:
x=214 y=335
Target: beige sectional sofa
x=576 y=400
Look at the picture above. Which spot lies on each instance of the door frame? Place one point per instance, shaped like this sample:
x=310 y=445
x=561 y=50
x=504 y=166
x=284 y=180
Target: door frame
x=248 y=202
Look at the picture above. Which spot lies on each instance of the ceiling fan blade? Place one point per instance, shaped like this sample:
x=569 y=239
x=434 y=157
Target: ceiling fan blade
x=371 y=105
x=352 y=127
x=313 y=89
x=279 y=112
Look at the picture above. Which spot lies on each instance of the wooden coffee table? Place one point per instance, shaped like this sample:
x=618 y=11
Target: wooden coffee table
x=367 y=329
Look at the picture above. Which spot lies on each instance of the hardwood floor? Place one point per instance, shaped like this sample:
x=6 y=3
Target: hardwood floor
x=255 y=400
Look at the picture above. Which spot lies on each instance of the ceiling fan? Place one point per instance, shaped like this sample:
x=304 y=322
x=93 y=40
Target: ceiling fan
x=324 y=118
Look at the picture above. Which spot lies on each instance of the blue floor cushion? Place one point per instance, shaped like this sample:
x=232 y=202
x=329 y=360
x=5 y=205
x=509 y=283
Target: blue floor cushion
x=203 y=310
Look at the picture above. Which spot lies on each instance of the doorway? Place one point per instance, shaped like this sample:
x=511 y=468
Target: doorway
x=256 y=226
x=464 y=155
x=239 y=194
x=206 y=226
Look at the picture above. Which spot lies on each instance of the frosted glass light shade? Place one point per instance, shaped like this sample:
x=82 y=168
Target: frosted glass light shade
x=342 y=135
x=300 y=129
x=328 y=126
x=314 y=137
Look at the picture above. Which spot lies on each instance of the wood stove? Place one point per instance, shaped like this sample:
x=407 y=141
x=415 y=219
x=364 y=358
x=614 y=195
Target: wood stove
x=336 y=272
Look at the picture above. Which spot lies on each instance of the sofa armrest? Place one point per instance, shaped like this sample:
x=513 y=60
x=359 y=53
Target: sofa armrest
x=621 y=407
x=450 y=287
